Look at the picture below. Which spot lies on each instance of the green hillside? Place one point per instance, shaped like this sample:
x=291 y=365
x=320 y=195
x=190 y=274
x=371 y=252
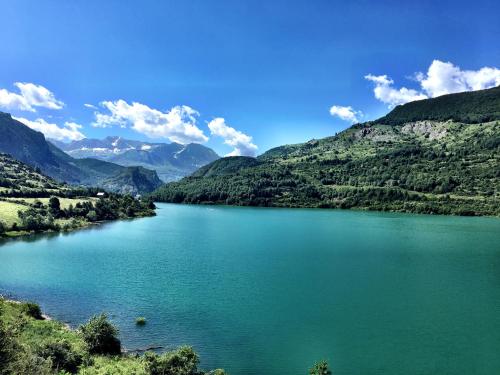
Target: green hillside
x=426 y=166
x=33 y=202
x=468 y=107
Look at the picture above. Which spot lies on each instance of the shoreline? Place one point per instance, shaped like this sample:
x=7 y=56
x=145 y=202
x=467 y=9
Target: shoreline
x=44 y=315
x=14 y=235
x=352 y=209
x=68 y=327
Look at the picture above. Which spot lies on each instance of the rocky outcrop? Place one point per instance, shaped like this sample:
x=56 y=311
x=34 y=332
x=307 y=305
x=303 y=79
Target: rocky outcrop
x=430 y=129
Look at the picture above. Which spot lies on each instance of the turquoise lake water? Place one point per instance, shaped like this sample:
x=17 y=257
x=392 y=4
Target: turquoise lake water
x=270 y=291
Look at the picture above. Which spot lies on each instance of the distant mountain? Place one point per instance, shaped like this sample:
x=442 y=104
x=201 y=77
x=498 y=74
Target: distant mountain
x=30 y=147
x=171 y=161
x=101 y=148
x=439 y=155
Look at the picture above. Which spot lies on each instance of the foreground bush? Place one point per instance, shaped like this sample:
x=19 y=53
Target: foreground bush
x=32 y=310
x=183 y=361
x=16 y=358
x=101 y=336
x=7 y=349
x=61 y=355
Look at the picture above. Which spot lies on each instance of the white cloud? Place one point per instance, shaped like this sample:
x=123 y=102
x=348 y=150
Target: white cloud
x=241 y=142
x=386 y=93
x=68 y=132
x=90 y=106
x=30 y=96
x=346 y=113
x=445 y=78
x=441 y=78
x=178 y=124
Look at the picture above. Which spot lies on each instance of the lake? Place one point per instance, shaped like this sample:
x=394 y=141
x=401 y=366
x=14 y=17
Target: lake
x=270 y=291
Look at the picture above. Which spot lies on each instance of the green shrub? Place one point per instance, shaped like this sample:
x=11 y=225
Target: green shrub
x=92 y=216
x=8 y=348
x=216 y=372
x=101 y=336
x=61 y=354
x=32 y=310
x=320 y=368
x=28 y=363
x=182 y=361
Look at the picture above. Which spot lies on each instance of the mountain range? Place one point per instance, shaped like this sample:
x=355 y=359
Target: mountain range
x=29 y=146
x=171 y=161
x=439 y=155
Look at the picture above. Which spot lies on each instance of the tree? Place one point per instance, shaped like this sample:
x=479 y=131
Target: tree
x=320 y=368
x=36 y=219
x=54 y=206
x=101 y=336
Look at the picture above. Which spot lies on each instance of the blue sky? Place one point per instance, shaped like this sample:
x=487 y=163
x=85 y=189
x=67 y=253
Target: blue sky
x=260 y=73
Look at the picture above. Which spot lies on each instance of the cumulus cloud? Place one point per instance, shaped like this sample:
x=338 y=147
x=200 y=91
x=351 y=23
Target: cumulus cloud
x=441 y=78
x=68 y=132
x=445 y=78
x=91 y=106
x=346 y=113
x=29 y=97
x=386 y=93
x=241 y=143
x=178 y=124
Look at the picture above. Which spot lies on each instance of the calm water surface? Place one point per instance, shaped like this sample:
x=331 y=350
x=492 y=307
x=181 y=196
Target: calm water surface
x=270 y=291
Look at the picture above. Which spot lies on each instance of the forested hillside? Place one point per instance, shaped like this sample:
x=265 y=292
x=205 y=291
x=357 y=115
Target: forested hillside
x=468 y=107
x=439 y=166
x=33 y=202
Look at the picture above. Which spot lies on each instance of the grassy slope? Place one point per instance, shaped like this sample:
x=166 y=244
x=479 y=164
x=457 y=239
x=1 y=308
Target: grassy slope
x=8 y=213
x=32 y=334
x=428 y=167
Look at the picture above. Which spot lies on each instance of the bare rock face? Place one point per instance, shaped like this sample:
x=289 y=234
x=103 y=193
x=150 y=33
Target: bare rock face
x=430 y=129
x=374 y=134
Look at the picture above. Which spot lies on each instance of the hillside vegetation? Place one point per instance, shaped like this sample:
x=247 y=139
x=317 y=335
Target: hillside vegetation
x=33 y=202
x=439 y=166
x=467 y=107
x=32 y=345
